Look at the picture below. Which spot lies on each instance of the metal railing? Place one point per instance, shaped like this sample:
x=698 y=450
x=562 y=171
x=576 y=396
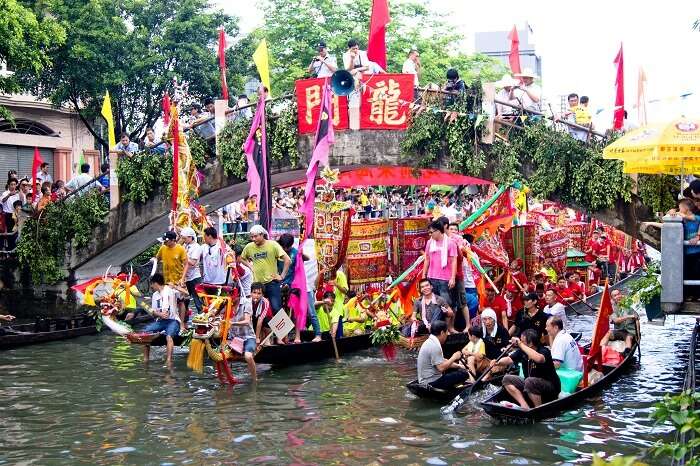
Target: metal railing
x=689 y=384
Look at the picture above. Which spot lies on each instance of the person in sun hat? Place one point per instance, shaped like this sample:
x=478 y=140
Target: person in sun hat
x=191 y=275
x=528 y=93
x=506 y=84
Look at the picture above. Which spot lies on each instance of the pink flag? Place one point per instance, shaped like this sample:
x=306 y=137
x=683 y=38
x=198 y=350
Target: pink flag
x=222 y=62
x=166 y=109
x=299 y=304
x=514 y=55
x=249 y=148
x=619 y=114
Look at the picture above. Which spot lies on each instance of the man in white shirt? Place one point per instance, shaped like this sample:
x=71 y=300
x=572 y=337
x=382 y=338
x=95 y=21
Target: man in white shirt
x=507 y=85
x=554 y=307
x=191 y=276
x=164 y=305
x=323 y=65
x=565 y=352
x=528 y=93
x=125 y=146
x=81 y=180
x=412 y=66
x=356 y=61
x=213 y=258
x=43 y=175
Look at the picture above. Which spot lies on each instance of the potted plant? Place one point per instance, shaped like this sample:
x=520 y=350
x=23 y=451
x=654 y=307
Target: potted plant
x=647 y=291
x=386 y=335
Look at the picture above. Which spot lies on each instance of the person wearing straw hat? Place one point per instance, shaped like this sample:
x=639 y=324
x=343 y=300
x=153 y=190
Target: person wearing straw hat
x=528 y=93
x=507 y=84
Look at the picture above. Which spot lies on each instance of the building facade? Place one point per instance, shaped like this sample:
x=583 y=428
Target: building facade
x=496 y=44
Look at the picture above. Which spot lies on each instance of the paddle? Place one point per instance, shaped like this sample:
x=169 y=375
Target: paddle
x=335 y=347
x=462 y=397
x=572 y=307
x=639 y=339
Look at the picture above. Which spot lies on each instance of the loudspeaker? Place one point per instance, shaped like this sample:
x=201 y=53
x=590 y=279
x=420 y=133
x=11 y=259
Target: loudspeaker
x=342 y=82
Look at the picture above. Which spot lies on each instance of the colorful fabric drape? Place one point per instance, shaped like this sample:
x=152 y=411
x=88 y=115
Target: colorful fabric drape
x=281 y=226
x=578 y=232
x=522 y=243
x=498 y=214
x=554 y=245
x=366 y=257
x=331 y=234
x=407 y=239
x=255 y=149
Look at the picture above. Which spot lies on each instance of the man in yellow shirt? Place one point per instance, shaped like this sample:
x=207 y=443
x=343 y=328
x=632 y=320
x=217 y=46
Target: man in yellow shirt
x=263 y=255
x=173 y=257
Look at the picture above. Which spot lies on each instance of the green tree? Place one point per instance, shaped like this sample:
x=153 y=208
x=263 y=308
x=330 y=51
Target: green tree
x=26 y=43
x=134 y=49
x=293 y=28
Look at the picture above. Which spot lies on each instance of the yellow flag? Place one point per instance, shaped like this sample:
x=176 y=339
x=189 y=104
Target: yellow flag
x=262 y=63
x=107 y=114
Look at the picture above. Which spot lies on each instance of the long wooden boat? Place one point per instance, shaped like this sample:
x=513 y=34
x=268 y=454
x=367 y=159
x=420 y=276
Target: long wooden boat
x=428 y=392
x=46 y=330
x=308 y=351
x=506 y=414
x=594 y=299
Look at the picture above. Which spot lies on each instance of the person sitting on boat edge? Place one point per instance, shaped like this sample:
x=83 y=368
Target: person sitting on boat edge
x=565 y=352
x=473 y=350
x=433 y=369
x=496 y=339
x=242 y=328
x=531 y=317
x=430 y=307
x=355 y=313
x=541 y=383
x=624 y=320
x=164 y=304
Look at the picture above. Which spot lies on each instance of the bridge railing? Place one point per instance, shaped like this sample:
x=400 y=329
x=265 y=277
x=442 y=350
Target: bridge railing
x=672 y=263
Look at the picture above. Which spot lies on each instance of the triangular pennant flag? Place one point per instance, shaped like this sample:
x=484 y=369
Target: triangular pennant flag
x=262 y=63
x=523 y=118
x=109 y=118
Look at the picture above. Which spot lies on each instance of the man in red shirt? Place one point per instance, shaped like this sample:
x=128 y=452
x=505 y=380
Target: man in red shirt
x=574 y=285
x=514 y=303
x=515 y=275
x=599 y=250
x=495 y=302
x=562 y=291
x=613 y=252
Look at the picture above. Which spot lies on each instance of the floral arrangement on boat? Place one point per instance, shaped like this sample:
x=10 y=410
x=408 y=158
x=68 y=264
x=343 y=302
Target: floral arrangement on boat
x=386 y=335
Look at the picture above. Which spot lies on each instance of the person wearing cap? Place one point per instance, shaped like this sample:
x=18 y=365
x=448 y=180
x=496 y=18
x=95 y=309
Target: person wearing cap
x=412 y=66
x=506 y=85
x=514 y=304
x=528 y=93
x=191 y=276
x=530 y=317
x=263 y=254
x=324 y=64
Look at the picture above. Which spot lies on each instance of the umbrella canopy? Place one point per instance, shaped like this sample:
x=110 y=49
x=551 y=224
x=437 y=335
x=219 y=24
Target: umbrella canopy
x=672 y=148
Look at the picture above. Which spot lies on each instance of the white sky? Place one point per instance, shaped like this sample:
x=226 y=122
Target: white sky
x=578 y=41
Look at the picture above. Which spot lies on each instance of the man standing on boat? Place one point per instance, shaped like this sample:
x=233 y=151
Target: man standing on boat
x=213 y=258
x=263 y=255
x=164 y=305
x=541 y=383
x=565 y=352
x=624 y=320
x=433 y=367
x=440 y=264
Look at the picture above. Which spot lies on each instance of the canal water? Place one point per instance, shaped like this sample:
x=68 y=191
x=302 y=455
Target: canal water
x=92 y=401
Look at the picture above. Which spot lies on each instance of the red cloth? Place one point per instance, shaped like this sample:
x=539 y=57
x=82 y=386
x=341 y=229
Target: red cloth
x=498 y=305
x=376 y=45
x=619 y=113
x=602 y=324
x=514 y=55
x=176 y=163
x=222 y=63
x=576 y=290
x=35 y=168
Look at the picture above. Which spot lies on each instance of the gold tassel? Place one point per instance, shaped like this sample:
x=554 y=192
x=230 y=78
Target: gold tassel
x=195 y=360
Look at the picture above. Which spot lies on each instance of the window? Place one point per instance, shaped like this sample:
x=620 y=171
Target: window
x=23 y=126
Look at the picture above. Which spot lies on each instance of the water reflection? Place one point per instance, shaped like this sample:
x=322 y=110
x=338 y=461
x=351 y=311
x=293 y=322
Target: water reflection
x=91 y=401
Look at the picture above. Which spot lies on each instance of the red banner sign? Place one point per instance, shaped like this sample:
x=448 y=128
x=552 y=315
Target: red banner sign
x=385 y=101
x=309 y=93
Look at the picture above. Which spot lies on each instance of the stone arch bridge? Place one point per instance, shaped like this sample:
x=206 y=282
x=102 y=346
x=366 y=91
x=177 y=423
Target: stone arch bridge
x=131 y=227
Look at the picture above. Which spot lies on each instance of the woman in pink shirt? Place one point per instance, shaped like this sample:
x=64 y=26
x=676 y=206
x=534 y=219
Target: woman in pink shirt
x=440 y=264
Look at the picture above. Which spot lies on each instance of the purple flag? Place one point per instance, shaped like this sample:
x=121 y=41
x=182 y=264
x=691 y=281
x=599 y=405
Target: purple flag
x=299 y=304
x=258 y=174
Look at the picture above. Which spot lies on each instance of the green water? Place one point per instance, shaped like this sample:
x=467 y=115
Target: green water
x=92 y=401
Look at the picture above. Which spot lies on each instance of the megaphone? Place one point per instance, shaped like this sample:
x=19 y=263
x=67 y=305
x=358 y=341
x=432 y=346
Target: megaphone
x=342 y=82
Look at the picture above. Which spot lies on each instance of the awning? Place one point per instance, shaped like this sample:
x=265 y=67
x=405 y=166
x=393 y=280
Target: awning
x=398 y=176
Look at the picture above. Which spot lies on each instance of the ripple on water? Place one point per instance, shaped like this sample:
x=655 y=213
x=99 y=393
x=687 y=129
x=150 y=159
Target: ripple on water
x=91 y=401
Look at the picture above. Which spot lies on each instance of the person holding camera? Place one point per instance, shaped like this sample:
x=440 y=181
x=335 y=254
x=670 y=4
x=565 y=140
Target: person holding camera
x=453 y=85
x=323 y=64
x=528 y=93
x=412 y=65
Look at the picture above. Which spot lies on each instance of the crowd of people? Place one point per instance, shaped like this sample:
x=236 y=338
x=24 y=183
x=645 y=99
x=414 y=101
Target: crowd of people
x=20 y=200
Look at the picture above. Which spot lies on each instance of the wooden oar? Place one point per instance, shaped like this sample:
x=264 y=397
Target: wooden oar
x=462 y=397
x=566 y=303
x=639 y=338
x=335 y=347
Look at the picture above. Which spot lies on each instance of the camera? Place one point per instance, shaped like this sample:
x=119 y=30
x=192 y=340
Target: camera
x=316 y=59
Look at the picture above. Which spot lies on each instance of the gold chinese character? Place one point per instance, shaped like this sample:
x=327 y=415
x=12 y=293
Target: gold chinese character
x=385 y=104
x=313 y=99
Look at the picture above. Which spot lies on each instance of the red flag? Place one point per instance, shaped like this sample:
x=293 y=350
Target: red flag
x=619 y=114
x=514 y=55
x=602 y=323
x=222 y=63
x=376 y=46
x=35 y=168
x=166 y=109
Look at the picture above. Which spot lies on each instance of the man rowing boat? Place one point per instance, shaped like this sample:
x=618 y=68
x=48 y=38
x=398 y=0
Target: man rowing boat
x=433 y=368
x=624 y=320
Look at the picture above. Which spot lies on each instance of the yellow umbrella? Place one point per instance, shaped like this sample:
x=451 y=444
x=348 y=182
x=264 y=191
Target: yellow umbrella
x=665 y=145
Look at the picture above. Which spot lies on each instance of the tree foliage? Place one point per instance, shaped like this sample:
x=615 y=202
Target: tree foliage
x=134 y=49
x=26 y=44
x=294 y=27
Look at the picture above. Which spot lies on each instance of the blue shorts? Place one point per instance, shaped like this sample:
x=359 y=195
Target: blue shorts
x=171 y=327
x=249 y=345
